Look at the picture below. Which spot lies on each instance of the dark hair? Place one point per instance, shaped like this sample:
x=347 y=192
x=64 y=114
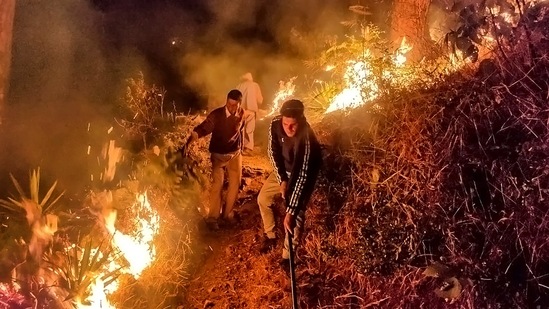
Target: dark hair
x=234 y=94
x=292 y=109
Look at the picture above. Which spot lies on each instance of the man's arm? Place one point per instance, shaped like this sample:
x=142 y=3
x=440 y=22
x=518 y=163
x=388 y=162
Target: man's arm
x=300 y=176
x=206 y=127
x=274 y=150
x=203 y=129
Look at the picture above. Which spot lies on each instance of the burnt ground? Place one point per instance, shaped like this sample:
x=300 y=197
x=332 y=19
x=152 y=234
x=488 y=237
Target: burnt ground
x=231 y=273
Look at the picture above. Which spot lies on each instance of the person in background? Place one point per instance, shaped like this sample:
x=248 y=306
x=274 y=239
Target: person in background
x=251 y=99
x=295 y=154
x=225 y=124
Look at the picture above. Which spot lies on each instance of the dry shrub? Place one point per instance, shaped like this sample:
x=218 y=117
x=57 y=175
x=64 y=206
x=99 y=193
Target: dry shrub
x=175 y=184
x=455 y=174
x=141 y=114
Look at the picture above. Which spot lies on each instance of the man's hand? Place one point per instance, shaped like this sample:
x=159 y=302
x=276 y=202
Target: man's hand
x=283 y=188
x=289 y=223
x=190 y=140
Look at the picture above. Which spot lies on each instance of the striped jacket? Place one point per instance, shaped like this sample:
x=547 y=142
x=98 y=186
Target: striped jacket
x=296 y=160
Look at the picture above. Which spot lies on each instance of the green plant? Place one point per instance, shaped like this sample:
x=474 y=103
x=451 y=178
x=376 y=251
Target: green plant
x=38 y=212
x=181 y=176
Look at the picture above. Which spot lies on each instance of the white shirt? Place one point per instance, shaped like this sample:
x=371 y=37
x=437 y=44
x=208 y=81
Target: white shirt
x=245 y=112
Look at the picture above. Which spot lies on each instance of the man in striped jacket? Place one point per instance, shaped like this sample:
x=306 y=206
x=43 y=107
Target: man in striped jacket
x=296 y=157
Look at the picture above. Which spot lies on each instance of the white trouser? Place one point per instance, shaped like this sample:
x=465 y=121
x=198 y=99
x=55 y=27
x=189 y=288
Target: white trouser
x=249 y=130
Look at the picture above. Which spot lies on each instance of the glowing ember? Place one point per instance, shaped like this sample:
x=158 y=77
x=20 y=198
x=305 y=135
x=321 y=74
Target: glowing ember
x=113 y=154
x=9 y=295
x=285 y=91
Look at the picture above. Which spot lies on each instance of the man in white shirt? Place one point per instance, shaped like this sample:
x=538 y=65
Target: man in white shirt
x=251 y=99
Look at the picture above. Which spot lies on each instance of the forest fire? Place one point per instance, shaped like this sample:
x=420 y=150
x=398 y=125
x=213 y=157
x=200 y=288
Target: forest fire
x=285 y=91
x=137 y=249
x=97 y=298
x=362 y=85
x=431 y=192
x=362 y=75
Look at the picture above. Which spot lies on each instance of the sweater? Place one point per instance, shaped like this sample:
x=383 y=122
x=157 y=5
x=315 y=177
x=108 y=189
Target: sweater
x=226 y=131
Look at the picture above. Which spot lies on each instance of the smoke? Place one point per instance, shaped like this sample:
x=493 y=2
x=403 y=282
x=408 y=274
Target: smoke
x=60 y=81
x=216 y=74
x=257 y=37
x=443 y=17
x=71 y=58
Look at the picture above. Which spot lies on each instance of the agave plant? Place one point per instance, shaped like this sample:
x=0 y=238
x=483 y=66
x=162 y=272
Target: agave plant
x=44 y=205
x=38 y=211
x=79 y=267
x=321 y=94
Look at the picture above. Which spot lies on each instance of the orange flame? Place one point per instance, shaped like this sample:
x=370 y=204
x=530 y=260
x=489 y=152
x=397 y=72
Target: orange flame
x=361 y=85
x=98 y=297
x=138 y=249
x=285 y=91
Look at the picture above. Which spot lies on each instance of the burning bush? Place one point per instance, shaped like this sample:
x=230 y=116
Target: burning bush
x=131 y=232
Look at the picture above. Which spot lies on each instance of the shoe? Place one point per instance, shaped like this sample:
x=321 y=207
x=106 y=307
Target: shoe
x=285 y=265
x=212 y=225
x=267 y=245
x=227 y=223
x=230 y=219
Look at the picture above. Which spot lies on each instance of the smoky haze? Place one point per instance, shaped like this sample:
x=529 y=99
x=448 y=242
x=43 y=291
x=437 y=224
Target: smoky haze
x=256 y=37
x=71 y=58
x=57 y=86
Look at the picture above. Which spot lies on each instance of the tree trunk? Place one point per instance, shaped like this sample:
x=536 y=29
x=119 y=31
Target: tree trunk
x=7 y=11
x=409 y=19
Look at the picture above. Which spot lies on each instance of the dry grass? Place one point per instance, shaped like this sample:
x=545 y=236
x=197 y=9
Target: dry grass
x=177 y=199
x=456 y=175
x=160 y=285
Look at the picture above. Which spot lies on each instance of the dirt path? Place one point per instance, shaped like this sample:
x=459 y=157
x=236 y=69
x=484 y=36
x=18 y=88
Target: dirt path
x=232 y=272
